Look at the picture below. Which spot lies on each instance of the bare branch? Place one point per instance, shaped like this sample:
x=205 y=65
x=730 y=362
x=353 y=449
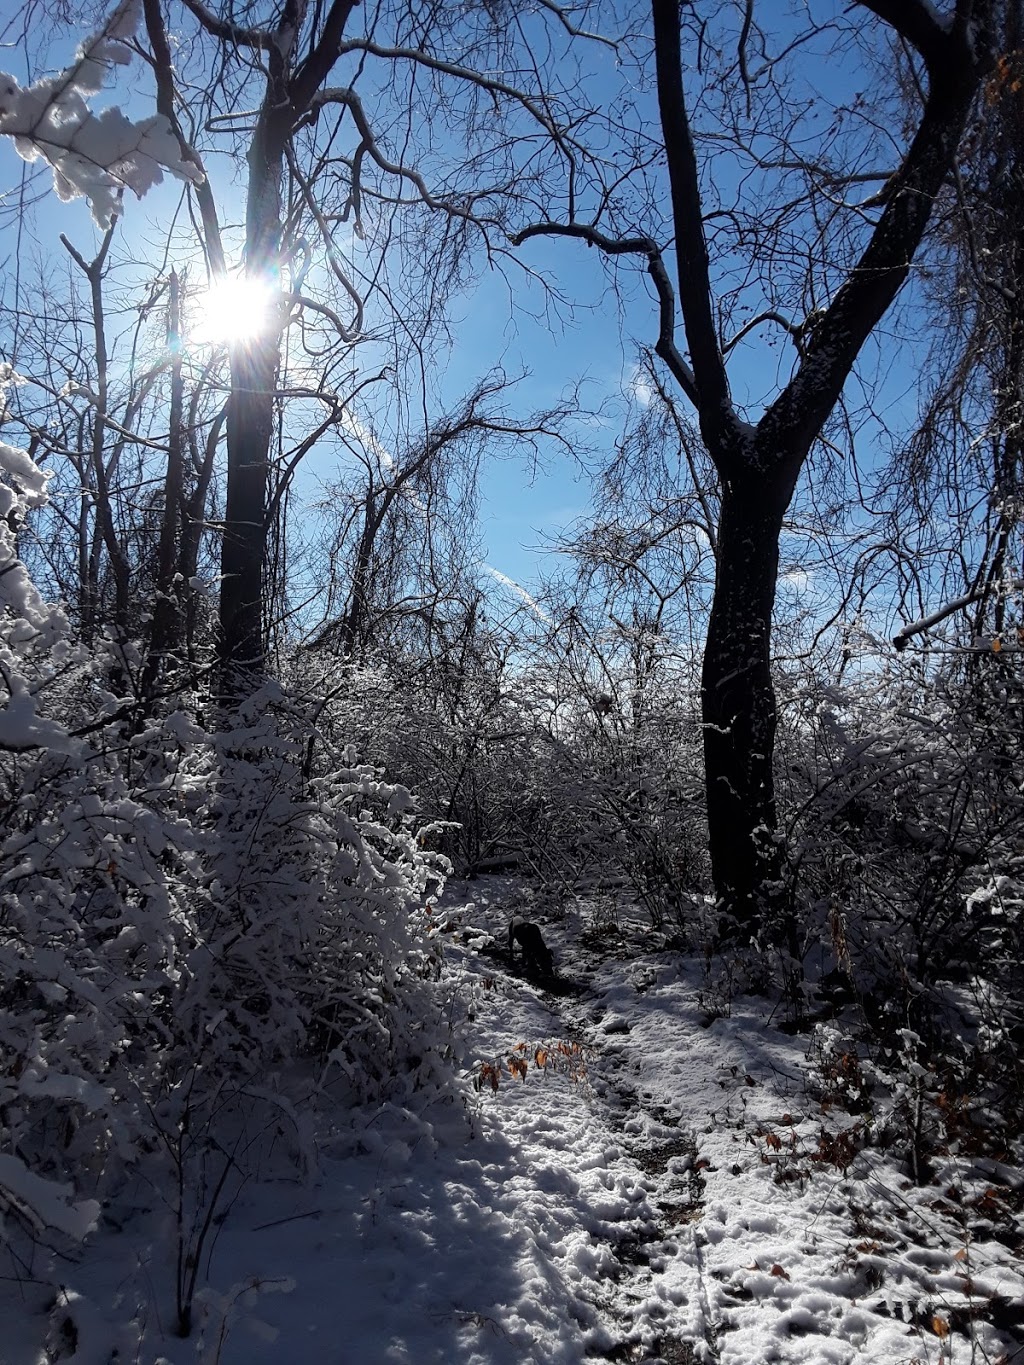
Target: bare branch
x=572 y=30
x=916 y=22
x=349 y=98
x=869 y=289
x=346 y=333
x=163 y=71
x=465 y=73
x=794 y=329
x=260 y=39
x=665 y=347
x=907 y=632
x=718 y=421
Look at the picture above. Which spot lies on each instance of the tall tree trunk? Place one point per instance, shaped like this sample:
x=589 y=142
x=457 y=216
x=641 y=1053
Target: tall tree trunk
x=250 y=417
x=738 y=703
x=250 y=427
x=108 y=538
x=165 y=634
x=758 y=468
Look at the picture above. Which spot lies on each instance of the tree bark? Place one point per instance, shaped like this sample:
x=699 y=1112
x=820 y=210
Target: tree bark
x=291 y=84
x=250 y=429
x=738 y=704
x=165 y=634
x=250 y=413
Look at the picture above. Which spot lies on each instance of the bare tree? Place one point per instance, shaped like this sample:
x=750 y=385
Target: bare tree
x=405 y=539
x=804 y=237
x=127 y=426
x=333 y=171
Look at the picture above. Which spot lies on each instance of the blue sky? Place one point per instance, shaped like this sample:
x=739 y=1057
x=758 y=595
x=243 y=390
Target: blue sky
x=520 y=507
x=502 y=322
x=521 y=510
x=497 y=323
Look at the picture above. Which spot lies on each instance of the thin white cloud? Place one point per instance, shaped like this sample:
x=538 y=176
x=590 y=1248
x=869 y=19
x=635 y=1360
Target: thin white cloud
x=519 y=591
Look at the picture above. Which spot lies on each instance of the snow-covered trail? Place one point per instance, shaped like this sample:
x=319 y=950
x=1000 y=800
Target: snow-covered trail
x=514 y=1224
x=605 y=1195
x=748 y=1216
x=664 y=1188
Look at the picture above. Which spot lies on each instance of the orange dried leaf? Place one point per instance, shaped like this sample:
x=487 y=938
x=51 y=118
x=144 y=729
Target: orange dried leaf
x=488 y=1076
x=778 y=1272
x=540 y=1057
x=940 y=1326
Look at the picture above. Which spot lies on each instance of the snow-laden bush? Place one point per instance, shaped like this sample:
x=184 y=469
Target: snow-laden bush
x=520 y=768
x=904 y=801
x=904 y=824
x=311 y=906
x=185 y=914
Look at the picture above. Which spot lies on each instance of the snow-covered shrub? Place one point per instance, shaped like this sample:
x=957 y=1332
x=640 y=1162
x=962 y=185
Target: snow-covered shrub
x=311 y=906
x=175 y=941
x=901 y=800
x=184 y=916
x=463 y=744
x=905 y=848
x=523 y=768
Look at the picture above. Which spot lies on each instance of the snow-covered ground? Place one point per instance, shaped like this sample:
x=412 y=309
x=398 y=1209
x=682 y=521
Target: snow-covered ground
x=643 y=1171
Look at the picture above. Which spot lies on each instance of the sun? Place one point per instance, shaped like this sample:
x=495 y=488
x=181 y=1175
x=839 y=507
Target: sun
x=235 y=309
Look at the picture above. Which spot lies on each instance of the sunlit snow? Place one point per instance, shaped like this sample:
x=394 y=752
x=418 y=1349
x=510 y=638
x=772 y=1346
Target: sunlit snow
x=668 y=1186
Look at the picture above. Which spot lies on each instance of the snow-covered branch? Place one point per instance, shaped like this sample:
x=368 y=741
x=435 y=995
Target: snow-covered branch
x=95 y=155
x=907 y=632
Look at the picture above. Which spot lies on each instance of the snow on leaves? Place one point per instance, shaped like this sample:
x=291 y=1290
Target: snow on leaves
x=42 y=1203
x=32 y=632
x=95 y=155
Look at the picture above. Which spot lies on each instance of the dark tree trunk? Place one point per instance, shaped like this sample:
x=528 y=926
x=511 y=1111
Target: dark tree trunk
x=738 y=703
x=250 y=416
x=250 y=429
x=291 y=86
x=103 y=465
x=759 y=468
x=165 y=634
x=759 y=465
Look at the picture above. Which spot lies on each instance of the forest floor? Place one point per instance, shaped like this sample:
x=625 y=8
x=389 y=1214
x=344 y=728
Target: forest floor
x=634 y=1168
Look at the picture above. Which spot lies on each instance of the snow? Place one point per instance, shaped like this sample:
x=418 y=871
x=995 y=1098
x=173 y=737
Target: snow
x=45 y=1202
x=90 y=154
x=645 y=1170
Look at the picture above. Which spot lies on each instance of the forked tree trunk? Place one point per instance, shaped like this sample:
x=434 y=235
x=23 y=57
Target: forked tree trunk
x=759 y=467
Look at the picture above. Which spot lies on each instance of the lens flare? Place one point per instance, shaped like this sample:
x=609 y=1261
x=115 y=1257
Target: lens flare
x=234 y=310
